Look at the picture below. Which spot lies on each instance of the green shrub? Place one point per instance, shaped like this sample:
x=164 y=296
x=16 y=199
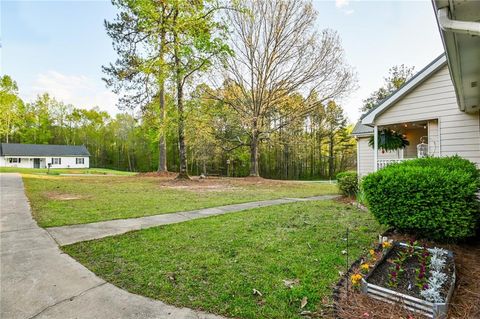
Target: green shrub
x=348 y=183
x=433 y=197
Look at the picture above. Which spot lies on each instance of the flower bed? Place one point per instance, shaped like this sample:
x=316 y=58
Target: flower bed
x=420 y=278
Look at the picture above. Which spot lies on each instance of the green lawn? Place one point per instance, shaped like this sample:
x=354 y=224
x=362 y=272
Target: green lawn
x=214 y=264
x=57 y=171
x=66 y=200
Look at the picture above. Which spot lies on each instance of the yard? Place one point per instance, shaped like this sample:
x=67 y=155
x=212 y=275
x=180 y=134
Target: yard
x=259 y=263
x=66 y=200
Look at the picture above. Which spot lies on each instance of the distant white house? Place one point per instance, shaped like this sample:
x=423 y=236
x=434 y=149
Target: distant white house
x=439 y=108
x=43 y=155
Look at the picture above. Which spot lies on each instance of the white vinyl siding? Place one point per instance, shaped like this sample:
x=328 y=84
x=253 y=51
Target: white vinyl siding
x=65 y=162
x=434 y=100
x=365 y=156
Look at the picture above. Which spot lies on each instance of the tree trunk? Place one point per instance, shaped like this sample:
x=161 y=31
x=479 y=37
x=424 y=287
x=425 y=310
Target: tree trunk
x=330 y=157
x=254 y=154
x=181 y=134
x=162 y=146
x=182 y=174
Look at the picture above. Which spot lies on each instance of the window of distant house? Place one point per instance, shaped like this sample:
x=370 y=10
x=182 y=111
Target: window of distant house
x=56 y=161
x=15 y=160
x=80 y=160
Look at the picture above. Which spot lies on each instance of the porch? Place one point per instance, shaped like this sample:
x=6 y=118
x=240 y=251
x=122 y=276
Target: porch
x=422 y=137
x=25 y=162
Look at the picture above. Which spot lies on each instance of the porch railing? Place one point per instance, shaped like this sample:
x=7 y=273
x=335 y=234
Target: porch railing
x=382 y=163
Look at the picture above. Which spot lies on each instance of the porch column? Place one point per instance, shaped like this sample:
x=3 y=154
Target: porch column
x=375 y=148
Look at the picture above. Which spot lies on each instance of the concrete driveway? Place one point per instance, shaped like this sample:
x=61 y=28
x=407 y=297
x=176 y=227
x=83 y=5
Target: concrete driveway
x=39 y=281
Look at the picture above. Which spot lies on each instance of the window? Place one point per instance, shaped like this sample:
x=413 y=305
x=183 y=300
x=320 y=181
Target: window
x=56 y=161
x=15 y=160
x=80 y=160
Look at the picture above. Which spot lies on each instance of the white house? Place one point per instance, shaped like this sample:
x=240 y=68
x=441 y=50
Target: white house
x=439 y=107
x=42 y=155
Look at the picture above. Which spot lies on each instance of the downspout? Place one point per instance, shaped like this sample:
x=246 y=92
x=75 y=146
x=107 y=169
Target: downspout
x=456 y=26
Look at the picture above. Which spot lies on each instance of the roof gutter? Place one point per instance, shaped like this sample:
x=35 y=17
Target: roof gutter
x=456 y=26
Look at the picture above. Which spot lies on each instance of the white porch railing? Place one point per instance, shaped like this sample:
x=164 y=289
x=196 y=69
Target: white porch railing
x=382 y=163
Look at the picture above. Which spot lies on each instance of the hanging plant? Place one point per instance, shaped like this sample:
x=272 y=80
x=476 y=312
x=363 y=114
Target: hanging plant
x=389 y=140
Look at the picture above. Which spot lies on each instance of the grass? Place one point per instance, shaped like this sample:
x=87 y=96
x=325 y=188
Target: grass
x=214 y=264
x=67 y=200
x=58 y=171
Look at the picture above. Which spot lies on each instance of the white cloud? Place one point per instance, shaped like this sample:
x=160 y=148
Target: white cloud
x=341 y=3
x=79 y=90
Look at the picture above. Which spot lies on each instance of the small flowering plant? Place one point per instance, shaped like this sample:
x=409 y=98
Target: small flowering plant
x=423 y=268
x=365 y=267
x=356 y=280
x=395 y=271
x=386 y=244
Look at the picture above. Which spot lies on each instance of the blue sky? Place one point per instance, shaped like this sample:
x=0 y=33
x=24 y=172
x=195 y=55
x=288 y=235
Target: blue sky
x=60 y=46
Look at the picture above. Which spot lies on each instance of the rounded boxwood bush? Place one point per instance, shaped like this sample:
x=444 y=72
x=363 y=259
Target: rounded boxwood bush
x=348 y=183
x=433 y=197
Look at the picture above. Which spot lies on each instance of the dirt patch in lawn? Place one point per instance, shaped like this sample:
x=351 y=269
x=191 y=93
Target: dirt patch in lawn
x=158 y=174
x=200 y=187
x=213 y=184
x=64 y=196
x=465 y=303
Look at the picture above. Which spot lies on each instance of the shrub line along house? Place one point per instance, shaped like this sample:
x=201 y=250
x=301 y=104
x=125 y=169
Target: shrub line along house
x=438 y=109
x=42 y=155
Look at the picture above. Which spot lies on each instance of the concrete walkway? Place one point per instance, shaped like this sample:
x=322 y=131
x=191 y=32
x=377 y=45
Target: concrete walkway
x=39 y=281
x=65 y=235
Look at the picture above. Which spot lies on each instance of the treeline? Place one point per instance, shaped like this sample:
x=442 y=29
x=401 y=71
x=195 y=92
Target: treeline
x=231 y=88
x=315 y=147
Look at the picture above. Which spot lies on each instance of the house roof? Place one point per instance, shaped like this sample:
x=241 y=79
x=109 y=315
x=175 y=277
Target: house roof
x=361 y=129
x=14 y=149
x=369 y=117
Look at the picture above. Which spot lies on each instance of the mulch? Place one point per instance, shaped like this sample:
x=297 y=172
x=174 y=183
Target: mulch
x=465 y=304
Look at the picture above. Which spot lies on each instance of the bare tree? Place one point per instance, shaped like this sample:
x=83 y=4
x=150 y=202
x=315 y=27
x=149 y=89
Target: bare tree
x=278 y=54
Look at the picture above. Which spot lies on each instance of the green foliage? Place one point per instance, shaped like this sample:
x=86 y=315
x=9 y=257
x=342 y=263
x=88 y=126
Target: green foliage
x=389 y=140
x=397 y=76
x=433 y=197
x=215 y=263
x=11 y=107
x=348 y=183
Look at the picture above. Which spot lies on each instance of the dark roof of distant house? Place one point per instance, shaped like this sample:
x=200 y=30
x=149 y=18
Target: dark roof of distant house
x=361 y=129
x=13 y=149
